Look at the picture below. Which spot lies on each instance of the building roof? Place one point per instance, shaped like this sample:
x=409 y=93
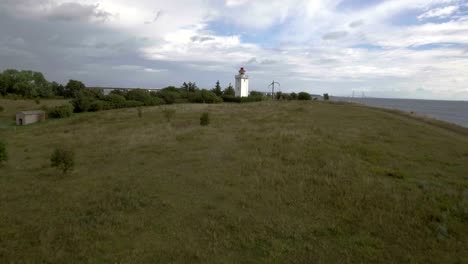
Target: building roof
x=33 y=112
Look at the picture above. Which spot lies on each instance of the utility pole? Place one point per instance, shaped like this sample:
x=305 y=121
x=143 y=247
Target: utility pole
x=273 y=88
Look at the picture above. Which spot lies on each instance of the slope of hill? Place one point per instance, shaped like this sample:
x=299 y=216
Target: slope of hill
x=301 y=182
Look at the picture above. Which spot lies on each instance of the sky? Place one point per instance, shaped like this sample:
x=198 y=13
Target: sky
x=376 y=48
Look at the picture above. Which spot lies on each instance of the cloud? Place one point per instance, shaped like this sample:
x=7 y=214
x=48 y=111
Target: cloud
x=335 y=35
x=356 y=23
x=201 y=38
x=300 y=43
x=441 y=12
x=76 y=11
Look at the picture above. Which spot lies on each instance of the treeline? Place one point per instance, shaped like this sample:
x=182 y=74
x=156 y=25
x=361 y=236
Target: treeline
x=30 y=84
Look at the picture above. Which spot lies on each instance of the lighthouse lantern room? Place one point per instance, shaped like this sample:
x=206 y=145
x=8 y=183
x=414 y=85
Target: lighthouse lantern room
x=242 y=84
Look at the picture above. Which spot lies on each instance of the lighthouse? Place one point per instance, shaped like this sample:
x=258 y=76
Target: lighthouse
x=242 y=84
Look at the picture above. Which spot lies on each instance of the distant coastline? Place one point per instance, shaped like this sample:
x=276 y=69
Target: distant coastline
x=450 y=111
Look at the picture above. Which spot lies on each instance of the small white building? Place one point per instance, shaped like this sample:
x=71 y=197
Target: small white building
x=29 y=117
x=242 y=84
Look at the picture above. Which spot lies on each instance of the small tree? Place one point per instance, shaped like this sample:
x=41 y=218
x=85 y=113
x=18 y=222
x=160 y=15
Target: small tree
x=73 y=87
x=63 y=159
x=229 y=91
x=169 y=114
x=293 y=96
x=326 y=97
x=304 y=96
x=3 y=152
x=217 y=90
x=60 y=111
x=205 y=119
x=140 y=112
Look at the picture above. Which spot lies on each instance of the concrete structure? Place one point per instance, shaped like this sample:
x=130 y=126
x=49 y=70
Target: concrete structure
x=242 y=84
x=29 y=117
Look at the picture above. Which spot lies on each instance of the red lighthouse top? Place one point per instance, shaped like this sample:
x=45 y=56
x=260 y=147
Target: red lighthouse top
x=241 y=71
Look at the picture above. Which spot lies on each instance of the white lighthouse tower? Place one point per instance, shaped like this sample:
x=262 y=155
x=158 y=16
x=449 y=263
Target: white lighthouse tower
x=242 y=84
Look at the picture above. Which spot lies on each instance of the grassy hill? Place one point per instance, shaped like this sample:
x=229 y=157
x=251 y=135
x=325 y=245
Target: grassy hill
x=289 y=182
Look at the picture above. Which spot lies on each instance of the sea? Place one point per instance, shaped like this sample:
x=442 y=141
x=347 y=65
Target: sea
x=450 y=111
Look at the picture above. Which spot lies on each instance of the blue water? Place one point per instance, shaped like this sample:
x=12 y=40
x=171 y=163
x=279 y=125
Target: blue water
x=451 y=111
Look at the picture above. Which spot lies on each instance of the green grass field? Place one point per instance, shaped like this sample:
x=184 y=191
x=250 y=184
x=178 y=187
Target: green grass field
x=270 y=182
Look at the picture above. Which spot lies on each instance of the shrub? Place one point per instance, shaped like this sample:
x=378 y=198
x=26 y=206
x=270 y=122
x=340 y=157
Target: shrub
x=293 y=96
x=250 y=99
x=82 y=102
x=169 y=114
x=3 y=152
x=304 y=96
x=204 y=96
x=205 y=119
x=63 y=159
x=61 y=111
x=169 y=96
x=96 y=106
x=140 y=112
x=1 y=109
x=115 y=100
x=140 y=95
x=231 y=99
x=37 y=101
x=326 y=97
x=132 y=103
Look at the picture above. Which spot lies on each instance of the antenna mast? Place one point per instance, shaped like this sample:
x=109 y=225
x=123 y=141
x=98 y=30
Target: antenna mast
x=272 y=84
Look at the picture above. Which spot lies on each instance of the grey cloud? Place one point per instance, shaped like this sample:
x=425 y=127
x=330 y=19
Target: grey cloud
x=77 y=12
x=268 y=62
x=356 y=23
x=201 y=38
x=252 y=61
x=156 y=18
x=335 y=35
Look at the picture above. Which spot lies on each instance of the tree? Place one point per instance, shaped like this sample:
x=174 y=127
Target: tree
x=205 y=119
x=82 y=102
x=293 y=96
x=304 y=96
x=229 y=91
x=57 y=89
x=326 y=97
x=192 y=87
x=217 y=90
x=185 y=87
x=73 y=88
x=63 y=159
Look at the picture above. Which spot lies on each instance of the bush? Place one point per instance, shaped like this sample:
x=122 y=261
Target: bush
x=82 y=102
x=3 y=152
x=63 y=159
x=115 y=100
x=140 y=112
x=326 y=97
x=304 y=96
x=205 y=97
x=61 y=111
x=169 y=114
x=205 y=119
x=293 y=96
x=141 y=95
x=231 y=99
x=169 y=96
x=132 y=103
x=1 y=109
x=37 y=101
x=250 y=99
x=96 y=106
